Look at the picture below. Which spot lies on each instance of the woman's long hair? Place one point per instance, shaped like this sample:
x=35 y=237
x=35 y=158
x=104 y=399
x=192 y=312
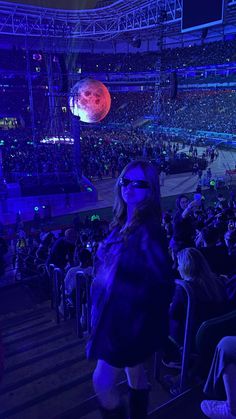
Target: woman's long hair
x=149 y=207
x=194 y=267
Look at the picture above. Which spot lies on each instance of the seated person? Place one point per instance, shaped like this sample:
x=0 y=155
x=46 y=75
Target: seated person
x=62 y=251
x=217 y=256
x=221 y=382
x=30 y=268
x=230 y=241
x=222 y=202
x=210 y=298
x=44 y=249
x=85 y=266
x=167 y=225
x=174 y=247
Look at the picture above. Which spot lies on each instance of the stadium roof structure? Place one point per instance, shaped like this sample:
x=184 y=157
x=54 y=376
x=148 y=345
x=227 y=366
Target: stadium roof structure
x=61 y=4
x=117 y=20
x=120 y=17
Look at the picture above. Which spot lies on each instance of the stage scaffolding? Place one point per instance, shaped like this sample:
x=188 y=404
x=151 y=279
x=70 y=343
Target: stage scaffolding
x=159 y=88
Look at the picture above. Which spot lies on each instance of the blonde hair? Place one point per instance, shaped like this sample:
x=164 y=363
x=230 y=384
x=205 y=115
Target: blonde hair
x=195 y=268
x=150 y=207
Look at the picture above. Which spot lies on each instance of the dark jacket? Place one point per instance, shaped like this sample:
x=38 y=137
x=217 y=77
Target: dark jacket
x=130 y=308
x=183 y=228
x=61 y=253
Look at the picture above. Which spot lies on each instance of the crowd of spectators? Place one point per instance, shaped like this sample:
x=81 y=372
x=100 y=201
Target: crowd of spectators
x=173 y=58
x=191 y=224
x=195 y=109
x=213 y=53
x=202 y=242
x=103 y=154
x=21 y=159
x=219 y=52
x=130 y=106
x=30 y=251
x=209 y=110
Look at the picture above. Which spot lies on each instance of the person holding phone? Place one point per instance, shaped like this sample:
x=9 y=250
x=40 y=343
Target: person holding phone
x=184 y=221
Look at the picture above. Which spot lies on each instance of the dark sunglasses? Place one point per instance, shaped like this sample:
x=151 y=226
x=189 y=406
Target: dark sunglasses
x=140 y=184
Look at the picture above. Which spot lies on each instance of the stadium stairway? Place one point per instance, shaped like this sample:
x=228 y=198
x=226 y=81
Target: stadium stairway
x=47 y=374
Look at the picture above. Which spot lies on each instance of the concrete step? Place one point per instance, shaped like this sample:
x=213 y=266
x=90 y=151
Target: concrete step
x=46 y=371
x=39 y=367
x=17 y=318
x=50 y=394
x=41 y=348
x=40 y=322
x=34 y=333
x=59 y=403
x=36 y=344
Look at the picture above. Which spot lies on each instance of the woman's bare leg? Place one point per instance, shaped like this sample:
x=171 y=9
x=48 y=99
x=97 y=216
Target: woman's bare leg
x=104 y=382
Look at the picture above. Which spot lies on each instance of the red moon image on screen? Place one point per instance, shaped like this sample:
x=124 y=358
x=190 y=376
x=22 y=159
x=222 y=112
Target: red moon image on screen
x=90 y=100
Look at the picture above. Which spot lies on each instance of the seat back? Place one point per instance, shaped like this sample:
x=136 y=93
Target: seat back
x=210 y=333
x=183 y=383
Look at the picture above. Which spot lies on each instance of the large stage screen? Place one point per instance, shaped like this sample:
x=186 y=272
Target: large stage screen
x=201 y=14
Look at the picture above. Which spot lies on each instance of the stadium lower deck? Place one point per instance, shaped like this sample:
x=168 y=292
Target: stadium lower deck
x=173 y=185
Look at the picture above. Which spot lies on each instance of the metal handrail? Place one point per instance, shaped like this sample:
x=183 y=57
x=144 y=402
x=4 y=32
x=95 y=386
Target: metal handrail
x=59 y=291
x=187 y=334
x=51 y=283
x=81 y=280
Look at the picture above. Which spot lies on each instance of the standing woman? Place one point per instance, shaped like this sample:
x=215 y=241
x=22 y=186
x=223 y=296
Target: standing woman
x=130 y=293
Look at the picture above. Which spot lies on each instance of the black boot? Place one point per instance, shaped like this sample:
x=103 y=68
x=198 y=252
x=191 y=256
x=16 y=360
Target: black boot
x=138 y=403
x=117 y=413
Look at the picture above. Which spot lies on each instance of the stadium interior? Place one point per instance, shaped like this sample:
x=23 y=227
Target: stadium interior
x=170 y=69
